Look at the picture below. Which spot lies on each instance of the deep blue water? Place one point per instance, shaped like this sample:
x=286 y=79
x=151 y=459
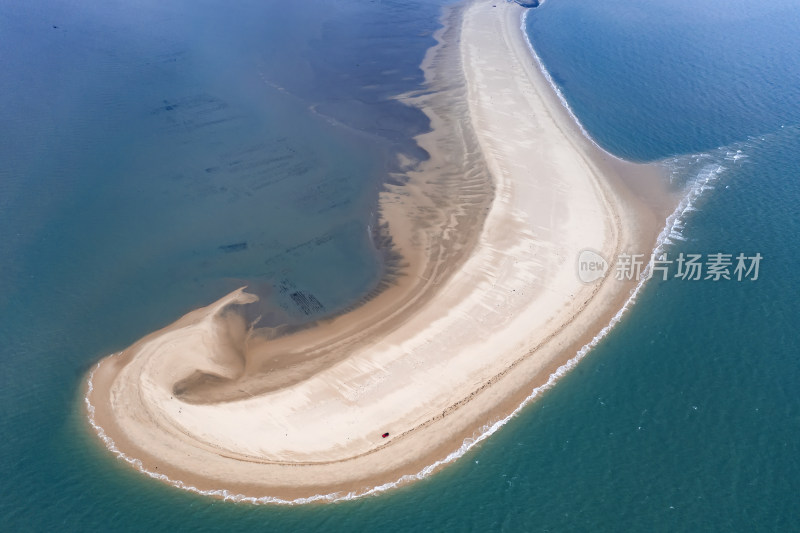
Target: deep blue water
x=139 y=140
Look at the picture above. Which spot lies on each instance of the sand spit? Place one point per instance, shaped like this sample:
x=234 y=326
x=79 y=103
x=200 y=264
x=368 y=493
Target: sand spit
x=488 y=305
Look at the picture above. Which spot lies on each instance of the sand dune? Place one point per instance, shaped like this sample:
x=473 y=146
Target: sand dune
x=487 y=305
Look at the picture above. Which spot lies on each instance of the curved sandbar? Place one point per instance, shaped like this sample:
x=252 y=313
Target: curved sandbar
x=488 y=305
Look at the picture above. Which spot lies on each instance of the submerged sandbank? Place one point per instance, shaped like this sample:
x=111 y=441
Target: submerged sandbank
x=487 y=306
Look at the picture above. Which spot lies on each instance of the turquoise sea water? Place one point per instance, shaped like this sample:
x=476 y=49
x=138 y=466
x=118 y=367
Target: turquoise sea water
x=142 y=145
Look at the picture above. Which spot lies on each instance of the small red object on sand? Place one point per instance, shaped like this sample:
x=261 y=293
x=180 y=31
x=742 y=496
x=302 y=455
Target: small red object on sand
x=385 y=435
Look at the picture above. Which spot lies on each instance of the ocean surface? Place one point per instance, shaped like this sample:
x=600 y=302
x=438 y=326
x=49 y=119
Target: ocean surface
x=155 y=156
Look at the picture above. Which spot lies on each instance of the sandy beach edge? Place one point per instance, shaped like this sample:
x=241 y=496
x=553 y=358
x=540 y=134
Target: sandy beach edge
x=637 y=228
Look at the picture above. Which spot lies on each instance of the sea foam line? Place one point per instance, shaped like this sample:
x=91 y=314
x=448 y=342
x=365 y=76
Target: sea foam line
x=672 y=231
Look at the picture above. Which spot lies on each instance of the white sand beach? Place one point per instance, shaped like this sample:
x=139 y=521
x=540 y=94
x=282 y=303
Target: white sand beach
x=488 y=304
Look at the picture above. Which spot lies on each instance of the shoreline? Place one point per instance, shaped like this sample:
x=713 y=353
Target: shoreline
x=441 y=275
